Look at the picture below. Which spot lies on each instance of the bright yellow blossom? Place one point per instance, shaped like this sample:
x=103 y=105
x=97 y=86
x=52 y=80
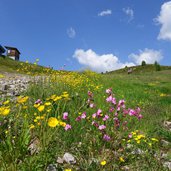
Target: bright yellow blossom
x=121 y=159
x=103 y=162
x=6 y=102
x=53 y=122
x=41 y=108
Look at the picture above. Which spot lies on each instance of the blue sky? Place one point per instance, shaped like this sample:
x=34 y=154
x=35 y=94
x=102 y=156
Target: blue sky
x=100 y=35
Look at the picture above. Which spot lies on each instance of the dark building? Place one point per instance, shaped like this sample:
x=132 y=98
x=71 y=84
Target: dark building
x=13 y=53
x=2 y=50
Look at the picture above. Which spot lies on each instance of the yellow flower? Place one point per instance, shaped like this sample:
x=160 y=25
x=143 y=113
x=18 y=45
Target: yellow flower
x=68 y=170
x=48 y=103
x=22 y=99
x=163 y=95
x=62 y=124
x=53 y=122
x=36 y=105
x=25 y=107
x=41 y=108
x=6 y=111
x=121 y=159
x=57 y=98
x=103 y=162
x=6 y=102
x=154 y=139
x=32 y=126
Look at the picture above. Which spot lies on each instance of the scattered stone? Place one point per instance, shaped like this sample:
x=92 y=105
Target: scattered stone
x=137 y=151
x=125 y=168
x=34 y=146
x=51 y=167
x=167 y=164
x=167 y=124
x=164 y=143
x=69 y=158
x=60 y=160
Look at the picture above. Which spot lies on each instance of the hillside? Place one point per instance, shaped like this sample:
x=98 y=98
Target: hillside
x=9 y=65
x=139 y=69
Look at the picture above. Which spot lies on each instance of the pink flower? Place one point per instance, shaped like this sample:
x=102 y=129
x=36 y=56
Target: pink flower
x=109 y=99
x=90 y=94
x=132 y=112
x=92 y=105
x=95 y=124
x=101 y=127
x=65 y=115
x=109 y=91
x=99 y=111
x=94 y=115
x=83 y=116
x=106 y=137
x=106 y=118
x=140 y=116
x=113 y=100
x=78 y=118
x=67 y=127
x=111 y=109
x=130 y=135
x=121 y=103
x=38 y=101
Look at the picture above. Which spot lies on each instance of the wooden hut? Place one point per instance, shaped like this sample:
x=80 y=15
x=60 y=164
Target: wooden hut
x=13 y=53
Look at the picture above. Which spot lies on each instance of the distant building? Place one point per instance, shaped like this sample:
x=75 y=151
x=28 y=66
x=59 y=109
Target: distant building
x=13 y=53
x=2 y=50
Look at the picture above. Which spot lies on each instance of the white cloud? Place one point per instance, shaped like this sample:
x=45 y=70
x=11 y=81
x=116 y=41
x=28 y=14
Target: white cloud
x=106 y=12
x=165 y=20
x=71 y=32
x=99 y=63
x=147 y=55
x=129 y=12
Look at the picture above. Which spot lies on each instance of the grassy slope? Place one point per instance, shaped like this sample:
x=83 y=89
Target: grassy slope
x=143 y=90
x=139 y=69
x=9 y=65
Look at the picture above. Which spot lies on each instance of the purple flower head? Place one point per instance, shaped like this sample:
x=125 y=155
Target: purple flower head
x=67 y=127
x=101 y=127
x=106 y=118
x=109 y=91
x=106 y=137
x=130 y=135
x=111 y=109
x=132 y=112
x=38 y=101
x=83 y=116
x=65 y=115
x=90 y=94
x=121 y=103
x=95 y=124
x=94 y=115
x=140 y=116
x=99 y=111
x=78 y=118
x=92 y=105
x=109 y=99
x=113 y=100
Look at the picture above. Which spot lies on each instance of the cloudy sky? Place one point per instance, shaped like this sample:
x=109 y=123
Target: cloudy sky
x=77 y=34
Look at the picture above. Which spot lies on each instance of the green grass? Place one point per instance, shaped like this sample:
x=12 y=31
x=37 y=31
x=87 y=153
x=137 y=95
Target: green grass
x=151 y=91
x=139 y=69
x=9 y=65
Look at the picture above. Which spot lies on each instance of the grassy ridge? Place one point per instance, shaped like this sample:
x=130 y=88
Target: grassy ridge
x=140 y=69
x=9 y=65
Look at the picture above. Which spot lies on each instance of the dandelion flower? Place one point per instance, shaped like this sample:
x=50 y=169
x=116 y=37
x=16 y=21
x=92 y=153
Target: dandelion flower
x=41 y=108
x=121 y=159
x=53 y=122
x=103 y=162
